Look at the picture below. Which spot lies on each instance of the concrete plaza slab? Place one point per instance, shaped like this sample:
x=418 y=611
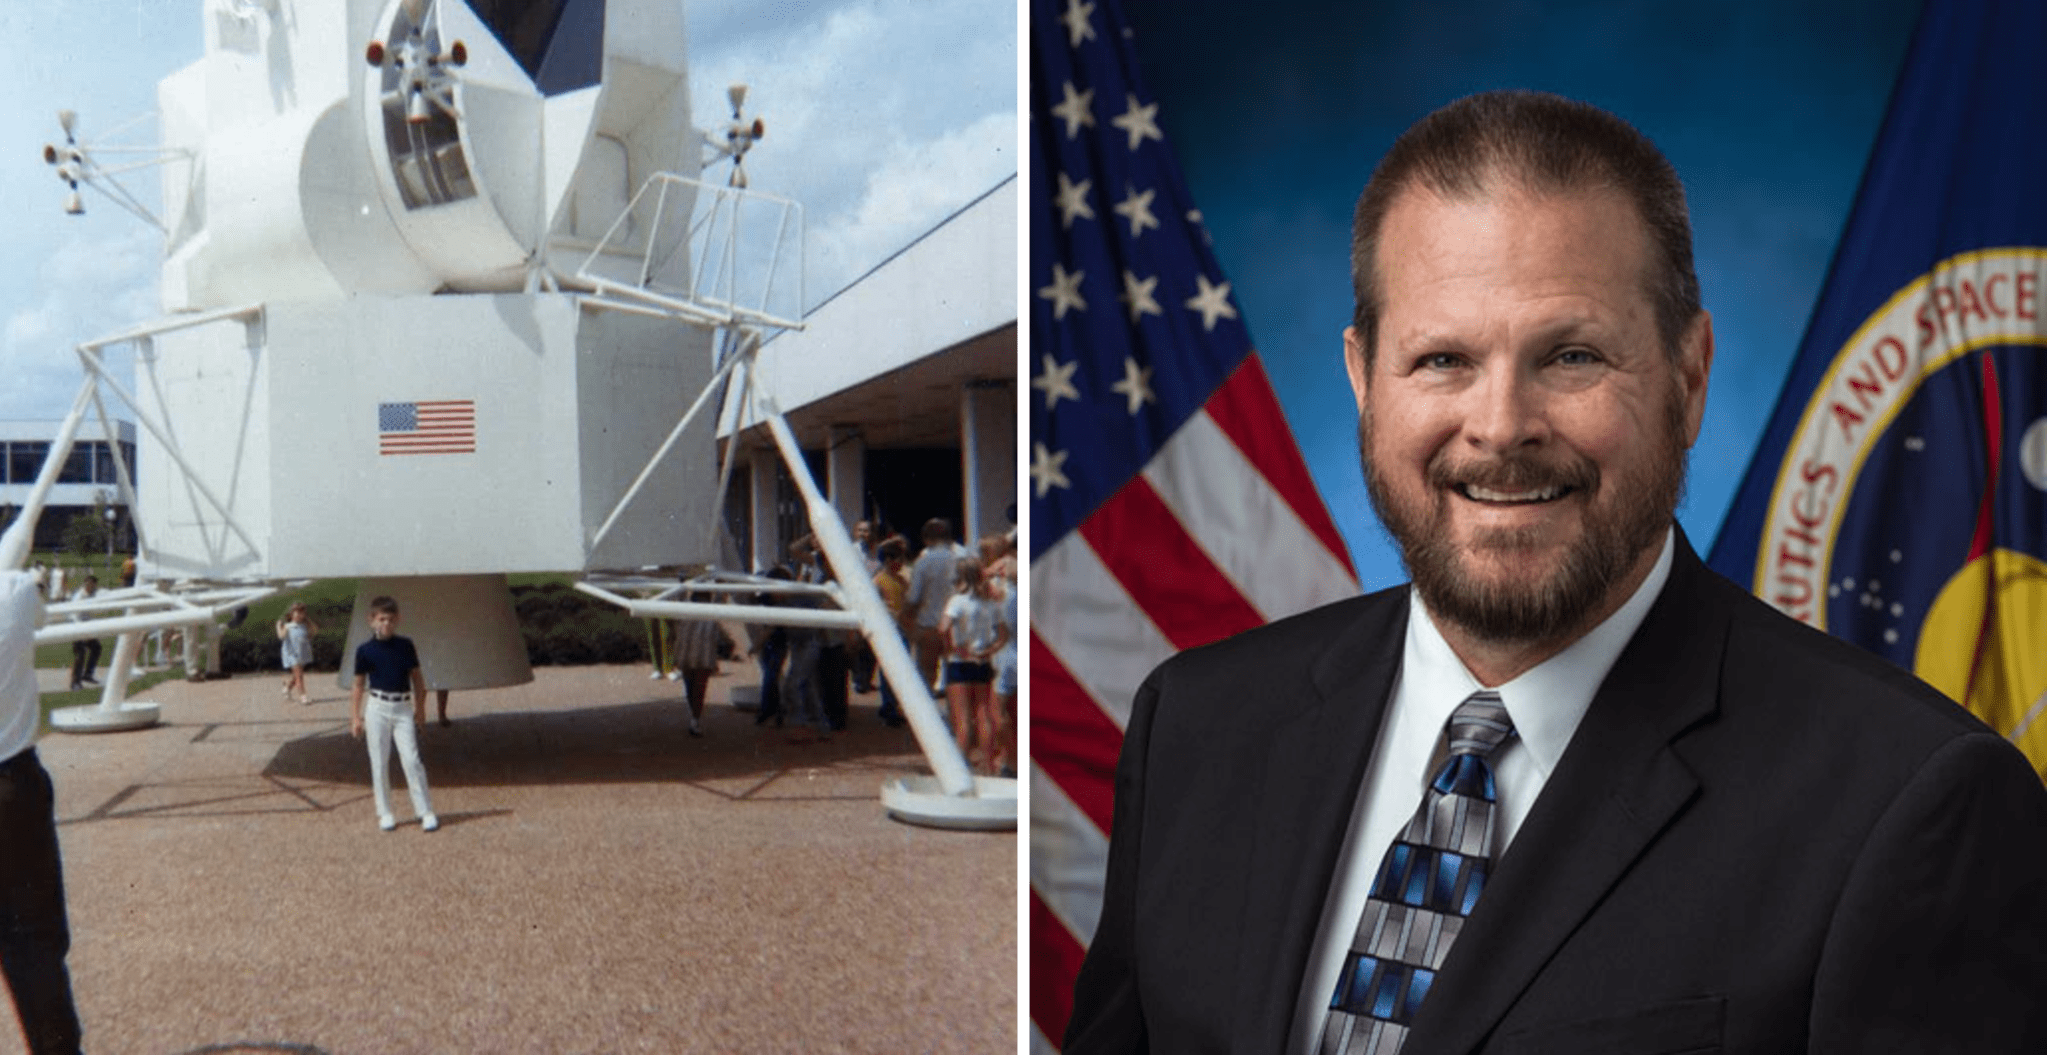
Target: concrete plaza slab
x=601 y=883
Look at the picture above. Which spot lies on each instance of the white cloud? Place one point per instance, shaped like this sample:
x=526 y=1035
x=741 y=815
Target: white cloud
x=883 y=116
x=68 y=279
x=915 y=187
x=89 y=287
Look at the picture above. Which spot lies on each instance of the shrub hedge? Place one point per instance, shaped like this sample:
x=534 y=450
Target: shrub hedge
x=562 y=627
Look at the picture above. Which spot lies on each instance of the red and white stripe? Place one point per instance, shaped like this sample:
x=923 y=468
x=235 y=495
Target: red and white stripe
x=446 y=426
x=1221 y=532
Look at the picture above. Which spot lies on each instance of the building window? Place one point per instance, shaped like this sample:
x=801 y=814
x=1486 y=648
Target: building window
x=25 y=460
x=103 y=471
x=78 y=466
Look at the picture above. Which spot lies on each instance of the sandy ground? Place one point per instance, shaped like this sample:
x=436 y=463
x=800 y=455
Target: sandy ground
x=601 y=883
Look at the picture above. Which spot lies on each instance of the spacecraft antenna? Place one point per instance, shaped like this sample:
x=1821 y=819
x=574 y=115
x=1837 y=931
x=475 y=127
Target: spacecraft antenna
x=78 y=165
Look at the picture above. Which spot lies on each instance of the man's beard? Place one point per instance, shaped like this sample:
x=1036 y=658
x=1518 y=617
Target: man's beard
x=1555 y=605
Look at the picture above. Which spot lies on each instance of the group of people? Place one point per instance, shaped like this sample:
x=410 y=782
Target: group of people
x=804 y=670
x=974 y=641
x=955 y=611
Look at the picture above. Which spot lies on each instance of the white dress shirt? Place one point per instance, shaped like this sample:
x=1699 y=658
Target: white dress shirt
x=1546 y=703
x=21 y=609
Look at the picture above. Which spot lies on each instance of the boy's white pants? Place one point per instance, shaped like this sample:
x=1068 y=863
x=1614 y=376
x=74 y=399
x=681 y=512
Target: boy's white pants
x=388 y=717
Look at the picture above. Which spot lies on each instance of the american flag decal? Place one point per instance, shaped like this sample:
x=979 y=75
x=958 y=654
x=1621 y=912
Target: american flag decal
x=440 y=426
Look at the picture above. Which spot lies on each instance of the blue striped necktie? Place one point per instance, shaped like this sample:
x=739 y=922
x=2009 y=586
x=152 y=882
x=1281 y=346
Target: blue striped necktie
x=1426 y=886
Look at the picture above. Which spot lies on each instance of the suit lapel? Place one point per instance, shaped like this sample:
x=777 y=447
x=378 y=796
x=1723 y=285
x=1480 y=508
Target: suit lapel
x=1314 y=763
x=1615 y=789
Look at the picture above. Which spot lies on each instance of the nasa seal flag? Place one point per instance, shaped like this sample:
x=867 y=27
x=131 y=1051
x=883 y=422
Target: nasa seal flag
x=1899 y=498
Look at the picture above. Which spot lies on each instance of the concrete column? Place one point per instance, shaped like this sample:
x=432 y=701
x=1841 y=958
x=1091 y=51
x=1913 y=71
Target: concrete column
x=762 y=465
x=988 y=456
x=846 y=473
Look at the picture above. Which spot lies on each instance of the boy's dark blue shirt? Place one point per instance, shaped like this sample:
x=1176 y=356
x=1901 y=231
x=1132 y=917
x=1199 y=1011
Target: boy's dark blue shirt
x=388 y=662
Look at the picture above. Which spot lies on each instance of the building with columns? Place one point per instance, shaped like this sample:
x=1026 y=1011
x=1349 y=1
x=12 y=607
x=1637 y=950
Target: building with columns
x=88 y=484
x=901 y=390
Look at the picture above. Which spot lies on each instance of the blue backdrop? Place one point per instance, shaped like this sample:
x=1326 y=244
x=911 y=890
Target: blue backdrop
x=1768 y=108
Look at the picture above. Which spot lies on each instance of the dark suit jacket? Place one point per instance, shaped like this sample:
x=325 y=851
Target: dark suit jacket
x=1759 y=840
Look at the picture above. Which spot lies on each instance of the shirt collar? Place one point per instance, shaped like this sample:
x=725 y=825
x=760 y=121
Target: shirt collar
x=1546 y=701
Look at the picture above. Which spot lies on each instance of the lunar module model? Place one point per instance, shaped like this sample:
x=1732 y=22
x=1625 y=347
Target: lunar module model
x=447 y=298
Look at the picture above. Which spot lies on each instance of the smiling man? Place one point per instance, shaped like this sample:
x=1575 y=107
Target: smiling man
x=1568 y=791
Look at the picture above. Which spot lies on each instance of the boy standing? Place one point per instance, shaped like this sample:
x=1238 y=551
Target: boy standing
x=387 y=667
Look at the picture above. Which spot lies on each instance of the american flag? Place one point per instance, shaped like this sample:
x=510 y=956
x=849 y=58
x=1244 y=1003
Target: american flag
x=1170 y=505
x=438 y=426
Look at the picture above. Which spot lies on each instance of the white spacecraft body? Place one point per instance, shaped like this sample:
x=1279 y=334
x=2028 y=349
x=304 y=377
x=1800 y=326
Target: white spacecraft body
x=388 y=379
x=372 y=366
x=419 y=436
x=426 y=327
x=317 y=175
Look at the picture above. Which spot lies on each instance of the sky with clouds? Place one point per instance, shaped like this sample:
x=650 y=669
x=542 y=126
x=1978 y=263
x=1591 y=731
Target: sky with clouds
x=883 y=118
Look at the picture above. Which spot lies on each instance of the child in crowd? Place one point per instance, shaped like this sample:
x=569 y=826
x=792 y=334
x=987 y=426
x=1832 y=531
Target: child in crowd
x=895 y=594
x=998 y=573
x=802 y=700
x=771 y=644
x=660 y=639
x=973 y=632
x=696 y=655
x=387 y=670
x=1004 y=762
x=295 y=633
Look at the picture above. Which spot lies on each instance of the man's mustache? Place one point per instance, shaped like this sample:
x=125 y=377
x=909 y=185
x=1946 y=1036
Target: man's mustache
x=1514 y=474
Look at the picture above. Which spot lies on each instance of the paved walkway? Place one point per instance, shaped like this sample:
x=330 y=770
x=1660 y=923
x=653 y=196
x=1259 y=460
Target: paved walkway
x=601 y=883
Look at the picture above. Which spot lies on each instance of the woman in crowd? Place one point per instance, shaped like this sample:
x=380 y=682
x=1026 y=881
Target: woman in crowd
x=973 y=632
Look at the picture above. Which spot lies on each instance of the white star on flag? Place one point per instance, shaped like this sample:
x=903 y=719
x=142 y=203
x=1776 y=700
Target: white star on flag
x=1064 y=292
x=1073 y=201
x=1212 y=302
x=1137 y=294
x=1047 y=469
x=1077 y=26
x=1136 y=208
x=1056 y=381
x=1135 y=386
x=1142 y=122
x=1162 y=530
x=1077 y=109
